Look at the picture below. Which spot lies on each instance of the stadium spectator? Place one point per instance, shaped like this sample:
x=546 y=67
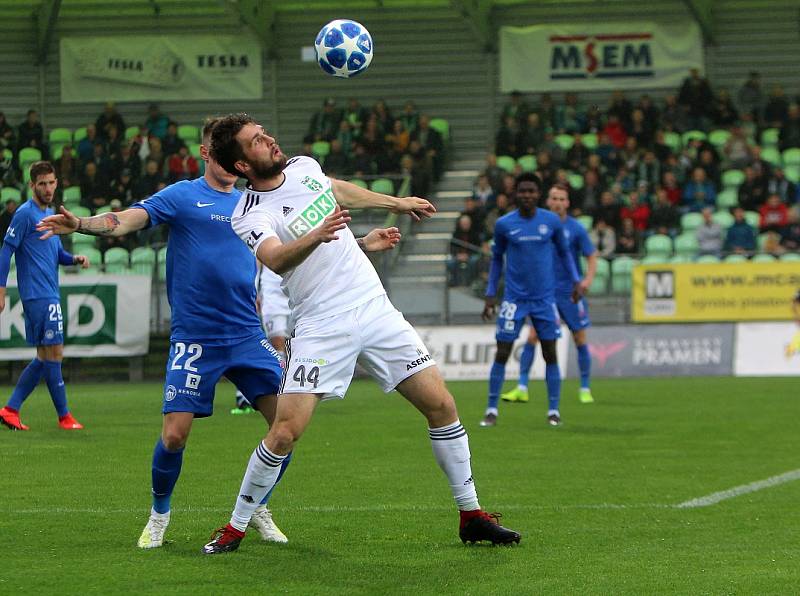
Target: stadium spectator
x=608 y=153
x=673 y=116
x=649 y=170
x=87 y=143
x=545 y=169
x=409 y=117
x=777 y=108
x=621 y=108
x=737 y=149
x=587 y=198
x=531 y=136
x=108 y=118
x=772 y=244
x=753 y=191
x=67 y=168
x=355 y=115
x=665 y=218
x=710 y=237
x=641 y=129
x=660 y=147
x=325 y=123
x=372 y=137
x=546 y=110
x=774 y=214
x=707 y=160
x=94 y=187
x=8 y=173
x=398 y=138
x=151 y=181
x=723 y=112
x=183 y=166
x=762 y=167
x=628 y=239
x=420 y=176
x=515 y=108
x=336 y=163
x=464 y=252
x=751 y=96
x=569 y=116
x=101 y=160
x=31 y=133
x=384 y=115
x=8 y=140
x=432 y=142
x=171 y=143
x=637 y=211
x=493 y=172
x=6 y=216
x=483 y=191
x=155 y=152
x=123 y=189
x=594 y=120
x=156 y=123
x=741 y=238
x=603 y=238
x=363 y=164
x=615 y=130
x=790 y=131
x=505 y=142
x=345 y=136
x=696 y=97
x=113 y=143
x=790 y=238
x=779 y=185
x=127 y=241
x=502 y=205
x=476 y=211
x=129 y=160
x=608 y=211
x=699 y=192
x=578 y=154
x=651 y=112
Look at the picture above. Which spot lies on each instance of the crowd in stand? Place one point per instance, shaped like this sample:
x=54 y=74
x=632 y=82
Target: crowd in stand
x=635 y=170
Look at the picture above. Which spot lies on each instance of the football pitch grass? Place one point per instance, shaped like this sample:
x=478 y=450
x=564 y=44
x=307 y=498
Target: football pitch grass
x=367 y=511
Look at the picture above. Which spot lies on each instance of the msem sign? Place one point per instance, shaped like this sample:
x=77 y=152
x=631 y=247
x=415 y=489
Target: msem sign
x=603 y=56
x=598 y=56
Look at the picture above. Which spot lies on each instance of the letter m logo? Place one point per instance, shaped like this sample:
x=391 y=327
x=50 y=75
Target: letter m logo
x=660 y=284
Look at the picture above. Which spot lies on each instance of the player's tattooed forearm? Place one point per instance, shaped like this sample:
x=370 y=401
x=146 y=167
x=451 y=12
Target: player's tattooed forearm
x=99 y=225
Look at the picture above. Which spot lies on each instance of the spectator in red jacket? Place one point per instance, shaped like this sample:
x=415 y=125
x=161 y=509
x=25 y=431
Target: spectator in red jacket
x=637 y=211
x=615 y=131
x=774 y=214
x=183 y=166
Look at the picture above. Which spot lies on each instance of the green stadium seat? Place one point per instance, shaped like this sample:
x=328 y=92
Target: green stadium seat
x=621 y=271
x=320 y=149
x=792 y=174
x=441 y=126
x=599 y=286
x=189 y=133
x=691 y=221
x=58 y=138
x=790 y=257
x=56 y=152
x=655 y=260
x=732 y=179
x=79 y=134
x=772 y=156
x=590 y=141
x=761 y=241
x=791 y=157
x=565 y=142
x=763 y=258
x=82 y=241
x=194 y=150
x=143 y=260
x=719 y=137
x=735 y=259
x=727 y=199
x=8 y=193
x=586 y=221
x=680 y=259
x=753 y=219
x=527 y=163
x=692 y=135
x=28 y=155
x=101 y=210
x=658 y=245
x=161 y=263
x=686 y=245
x=723 y=218
x=383 y=186
x=358 y=182
x=707 y=259
x=506 y=162
x=673 y=141
x=131 y=131
x=575 y=181
x=769 y=137
x=94 y=256
x=81 y=212
x=116 y=260
x=71 y=196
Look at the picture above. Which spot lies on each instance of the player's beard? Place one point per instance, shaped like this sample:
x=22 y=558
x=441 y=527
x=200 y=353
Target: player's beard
x=264 y=171
x=42 y=198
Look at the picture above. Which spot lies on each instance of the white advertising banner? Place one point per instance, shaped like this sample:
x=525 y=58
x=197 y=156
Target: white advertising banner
x=467 y=352
x=595 y=56
x=104 y=315
x=767 y=349
x=160 y=67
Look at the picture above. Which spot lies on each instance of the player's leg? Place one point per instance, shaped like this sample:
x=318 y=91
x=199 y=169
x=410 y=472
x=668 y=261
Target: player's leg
x=547 y=324
x=520 y=392
x=584 y=366
x=510 y=318
x=576 y=317
x=53 y=355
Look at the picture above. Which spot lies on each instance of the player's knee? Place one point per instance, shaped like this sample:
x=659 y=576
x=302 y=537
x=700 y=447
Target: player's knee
x=174 y=438
x=549 y=351
x=441 y=411
x=503 y=352
x=282 y=437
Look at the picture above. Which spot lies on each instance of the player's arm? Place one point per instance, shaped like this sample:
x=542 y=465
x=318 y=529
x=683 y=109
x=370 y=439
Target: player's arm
x=562 y=248
x=105 y=224
x=379 y=239
x=350 y=196
x=280 y=257
x=5 y=265
x=590 y=252
x=495 y=270
x=17 y=230
x=66 y=258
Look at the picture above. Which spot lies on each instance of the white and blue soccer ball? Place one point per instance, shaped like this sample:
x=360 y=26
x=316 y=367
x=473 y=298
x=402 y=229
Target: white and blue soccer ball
x=344 y=48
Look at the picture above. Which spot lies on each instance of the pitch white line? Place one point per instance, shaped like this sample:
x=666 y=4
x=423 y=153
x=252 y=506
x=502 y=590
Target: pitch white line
x=742 y=489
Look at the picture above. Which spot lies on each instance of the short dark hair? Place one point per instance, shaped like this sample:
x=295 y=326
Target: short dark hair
x=208 y=126
x=528 y=177
x=225 y=149
x=41 y=168
x=560 y=186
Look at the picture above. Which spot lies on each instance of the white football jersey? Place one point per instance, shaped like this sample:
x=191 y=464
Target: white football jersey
x=274 y=302
x=337 y=276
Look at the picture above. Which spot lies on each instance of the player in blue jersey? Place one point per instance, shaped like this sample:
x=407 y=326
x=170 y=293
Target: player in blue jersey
x=574 y=315
x=216 y=329
x=37 y=280
x=526 y=239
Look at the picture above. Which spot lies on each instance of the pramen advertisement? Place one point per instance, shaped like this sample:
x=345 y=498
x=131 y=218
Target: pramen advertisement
x=598 y=56
x=157 y=67
x=104 y=315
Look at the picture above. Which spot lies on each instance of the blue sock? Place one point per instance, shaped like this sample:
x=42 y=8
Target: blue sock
x=284 y=465
x=166 y=469
x=55 y=384
x=497 y=375
x=28 y=380
x=584 y=365
x=552 y=377
x=525 y=363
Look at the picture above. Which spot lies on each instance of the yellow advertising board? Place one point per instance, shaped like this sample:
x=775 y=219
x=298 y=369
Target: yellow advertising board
x=693 y=292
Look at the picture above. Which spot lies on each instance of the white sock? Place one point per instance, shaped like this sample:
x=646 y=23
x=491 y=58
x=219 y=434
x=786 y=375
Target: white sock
x=556 y=412
x=522 y=387
x=451 y=450
x=489 y=411
x=161 y=516
x=262 y=472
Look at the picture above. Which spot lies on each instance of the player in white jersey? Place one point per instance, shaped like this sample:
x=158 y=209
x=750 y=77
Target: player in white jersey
x=291 y=219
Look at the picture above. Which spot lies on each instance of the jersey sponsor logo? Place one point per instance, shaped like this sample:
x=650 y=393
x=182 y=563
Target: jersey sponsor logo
x=192 y=380
x=418 y=362
x=215 y=217
x=311 y=184
x=287 y=210
x=199 y=204
x=313 y=214
x=170 y=393
x=253 y=238
x=319 y=361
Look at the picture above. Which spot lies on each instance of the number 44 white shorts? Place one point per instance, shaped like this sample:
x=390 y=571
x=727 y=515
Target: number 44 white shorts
x=322 y=354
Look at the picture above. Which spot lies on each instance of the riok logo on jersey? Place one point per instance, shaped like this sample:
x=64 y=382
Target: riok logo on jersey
x=313 y=214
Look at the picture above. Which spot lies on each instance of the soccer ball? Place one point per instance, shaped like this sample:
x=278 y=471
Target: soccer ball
x=344 y=48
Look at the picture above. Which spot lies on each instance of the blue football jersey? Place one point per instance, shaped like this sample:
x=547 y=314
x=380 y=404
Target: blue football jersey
x=529 y=246
x=210 y=272
x=579 y=245
x=37 y=260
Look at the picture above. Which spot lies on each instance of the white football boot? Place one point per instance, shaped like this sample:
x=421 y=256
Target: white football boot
x=262 y=521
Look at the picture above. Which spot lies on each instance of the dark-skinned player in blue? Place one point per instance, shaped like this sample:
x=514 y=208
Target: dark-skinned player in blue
x=524 y=241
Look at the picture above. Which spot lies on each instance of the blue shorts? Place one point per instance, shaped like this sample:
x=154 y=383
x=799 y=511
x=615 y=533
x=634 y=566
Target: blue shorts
x=44 y=323
x=573 y=315
x=194 y=369
x=512 y=315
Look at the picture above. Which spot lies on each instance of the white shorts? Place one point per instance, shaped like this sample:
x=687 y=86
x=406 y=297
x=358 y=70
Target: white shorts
x=277 y=326
x=321 y=355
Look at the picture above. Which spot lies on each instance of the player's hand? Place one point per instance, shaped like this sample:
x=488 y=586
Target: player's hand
x=332 y=224
x=82 y=260
x=381 y=239
x=63 y=223
x=417 y=208
x=489 y=308
x=577 y=292
x=585 y=283
x=2 y=299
